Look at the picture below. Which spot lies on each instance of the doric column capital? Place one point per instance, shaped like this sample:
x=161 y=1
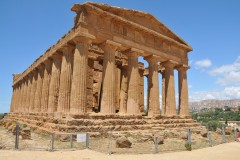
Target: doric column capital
x=109 y=45
x=84 y=39
x=48 y=64
x=169 y=64
x=182 y=67
x=40 y=67
x=30 y=74
x=67 y=49
x=152 y=59
x=24 y=79
x=56 y=56
x=83 y=43
x=35 y=72
x=133 y=52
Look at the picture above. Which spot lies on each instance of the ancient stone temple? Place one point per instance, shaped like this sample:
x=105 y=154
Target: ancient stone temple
x=93 y=73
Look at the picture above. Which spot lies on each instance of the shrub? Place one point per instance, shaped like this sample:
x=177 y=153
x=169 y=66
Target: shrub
x=188 y=146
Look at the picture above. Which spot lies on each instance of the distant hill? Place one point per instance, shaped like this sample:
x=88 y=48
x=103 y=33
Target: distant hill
x=213 y=103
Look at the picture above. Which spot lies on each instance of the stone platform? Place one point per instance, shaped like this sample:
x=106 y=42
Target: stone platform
x=55 y=123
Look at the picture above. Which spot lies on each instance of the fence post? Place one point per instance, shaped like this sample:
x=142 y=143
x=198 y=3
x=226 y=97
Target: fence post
x=87 y=140
x=235 y=134
x=17 y=137
x=189 y=136
x=210 y=139
x=71 y=141
x=110 y=143
x=52 y=142
x=155 y=139
x=223 y=134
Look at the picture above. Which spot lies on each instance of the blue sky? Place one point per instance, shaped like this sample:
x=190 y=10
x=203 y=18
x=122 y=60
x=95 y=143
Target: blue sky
x=28 y=28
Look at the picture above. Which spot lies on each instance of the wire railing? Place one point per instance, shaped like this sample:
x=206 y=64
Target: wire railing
x=19 y=136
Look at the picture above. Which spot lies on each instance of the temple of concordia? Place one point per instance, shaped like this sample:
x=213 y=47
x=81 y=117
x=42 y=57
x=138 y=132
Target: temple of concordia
x=91 y=78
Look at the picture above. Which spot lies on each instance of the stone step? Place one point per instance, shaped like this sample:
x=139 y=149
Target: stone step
x=101 y=125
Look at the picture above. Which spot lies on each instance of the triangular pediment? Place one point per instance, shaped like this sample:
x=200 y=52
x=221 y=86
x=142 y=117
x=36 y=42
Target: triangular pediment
x=142 y=18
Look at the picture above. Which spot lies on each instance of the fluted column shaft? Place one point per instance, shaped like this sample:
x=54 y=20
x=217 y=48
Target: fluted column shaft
x=117 y=86
x=54 y=83
x=108 y=88
x=163 y=94
x=28 y=95
x=38 y=93
x=45 y=86
x=21 y=99
x=79 y=79
x=153 y=87
x=123 y=91
x=133 y=84
x=141 y=90
x=15 y=105
x=33 y=90
x=183 y=91
x=65 y=80
x=25 y=95
x=13 y=99
x=169 y=89
x=16 y=98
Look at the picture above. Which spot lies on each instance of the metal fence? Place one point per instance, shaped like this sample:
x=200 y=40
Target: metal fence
x=24 y=138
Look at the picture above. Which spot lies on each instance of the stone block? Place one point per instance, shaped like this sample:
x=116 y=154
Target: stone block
x=26 y=134
x=204 y=133
x=123 y=142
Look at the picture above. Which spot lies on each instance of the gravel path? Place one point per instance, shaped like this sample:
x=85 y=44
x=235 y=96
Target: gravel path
x=229 y=151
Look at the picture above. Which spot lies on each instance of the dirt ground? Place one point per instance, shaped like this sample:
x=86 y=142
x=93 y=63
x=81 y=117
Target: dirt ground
x=228 y=151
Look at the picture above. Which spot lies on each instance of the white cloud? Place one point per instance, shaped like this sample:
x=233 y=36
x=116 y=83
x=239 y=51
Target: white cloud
x=232 y=78
x=205 y=63
x=229 y=74
x=227 y=68
x=226 y=94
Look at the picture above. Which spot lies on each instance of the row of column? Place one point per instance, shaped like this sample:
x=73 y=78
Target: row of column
x=59 y=84
x=168 y=88
x=55 y=85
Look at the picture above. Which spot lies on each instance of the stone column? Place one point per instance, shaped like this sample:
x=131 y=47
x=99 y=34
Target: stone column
x=45 y=85
x=133 y=84
x=108 y=88
x=33 y=90
x=169 y=88
x=19 y=97
x=117 y=87
x=13 y=99
x=163 y=94
x=38 y=92
x=153 y=87
x=183 y=90
x=90 y=80
x=16 y=103
x=54 y=83
x=28 y=96
x=123 y=91
x=24 y=91
x=79 y=78
x=141 y=88
x=65 y=80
